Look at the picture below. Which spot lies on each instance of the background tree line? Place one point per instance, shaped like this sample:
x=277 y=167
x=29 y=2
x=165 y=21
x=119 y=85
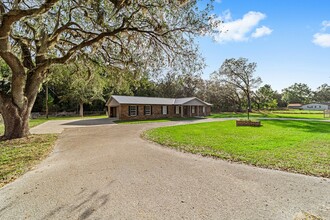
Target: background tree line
x=232 y=88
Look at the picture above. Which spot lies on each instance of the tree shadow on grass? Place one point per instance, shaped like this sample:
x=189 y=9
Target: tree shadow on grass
x=307 y=126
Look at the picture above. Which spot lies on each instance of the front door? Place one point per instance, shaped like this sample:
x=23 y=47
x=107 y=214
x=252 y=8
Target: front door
x=113 y=112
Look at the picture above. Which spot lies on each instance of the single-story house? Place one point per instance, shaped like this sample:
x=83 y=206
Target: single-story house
x=316 y=106
x=294 y=106
x=134 y=107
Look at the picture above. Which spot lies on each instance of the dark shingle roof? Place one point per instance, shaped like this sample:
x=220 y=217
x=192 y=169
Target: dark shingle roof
x=153 y=100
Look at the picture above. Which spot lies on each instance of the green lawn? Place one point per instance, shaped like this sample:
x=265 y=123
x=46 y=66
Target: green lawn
x=38 y=121
x=32 y=123
x=296 y=146
x=19 y=155
x=272 y=114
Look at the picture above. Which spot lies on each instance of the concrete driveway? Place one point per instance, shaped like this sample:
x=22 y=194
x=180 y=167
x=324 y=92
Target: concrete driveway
x=109 y=172
x=57 y=126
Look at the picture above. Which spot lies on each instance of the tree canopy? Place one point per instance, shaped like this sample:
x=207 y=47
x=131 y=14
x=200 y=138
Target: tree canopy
x=322 y=94
x=297 y=93
x=239 y=73
x=143 y=34
x=79 y=83
x=265 y=97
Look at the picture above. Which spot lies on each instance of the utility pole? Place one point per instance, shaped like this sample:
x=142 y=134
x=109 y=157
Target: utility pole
x=47 y=100
x=47 y=96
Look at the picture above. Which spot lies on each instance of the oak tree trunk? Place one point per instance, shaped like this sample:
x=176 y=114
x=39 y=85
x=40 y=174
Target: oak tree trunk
x=16 y=120
x=16 y=114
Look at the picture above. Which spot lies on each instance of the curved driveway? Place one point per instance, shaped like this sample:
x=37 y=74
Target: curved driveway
x=109 y=172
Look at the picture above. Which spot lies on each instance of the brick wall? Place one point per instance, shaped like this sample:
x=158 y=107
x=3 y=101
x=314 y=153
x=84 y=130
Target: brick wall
x=156 y=112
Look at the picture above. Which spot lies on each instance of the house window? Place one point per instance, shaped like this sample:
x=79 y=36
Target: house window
x=147 y=109
x=203 y=109
x=177 y=110
x=193 y=109
x=164 y=110
x=132 y=110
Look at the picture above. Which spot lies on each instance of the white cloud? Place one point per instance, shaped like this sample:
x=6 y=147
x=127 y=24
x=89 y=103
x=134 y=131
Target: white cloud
x=240 y=30
x=321 y=39
x=218 y=1
x=226 y=16
x=262 y=31
x=325 y=25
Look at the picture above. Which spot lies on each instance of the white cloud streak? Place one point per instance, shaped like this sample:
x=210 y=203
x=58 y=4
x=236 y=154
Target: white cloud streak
x=321 y=38
x=262 y=31
x=325 y=25
x=240 y=30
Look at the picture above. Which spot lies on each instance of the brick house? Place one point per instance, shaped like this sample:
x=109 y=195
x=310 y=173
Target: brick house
x=134 y=107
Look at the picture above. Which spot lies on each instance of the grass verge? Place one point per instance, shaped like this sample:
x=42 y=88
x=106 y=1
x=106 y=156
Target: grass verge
x=295 y=146
x=38 y=121
x=20 y=155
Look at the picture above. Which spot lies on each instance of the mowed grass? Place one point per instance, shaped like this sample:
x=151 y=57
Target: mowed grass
x=38 y=121
x=295 y=146
x=20 y=155
x=272 y=114
x=32 y=123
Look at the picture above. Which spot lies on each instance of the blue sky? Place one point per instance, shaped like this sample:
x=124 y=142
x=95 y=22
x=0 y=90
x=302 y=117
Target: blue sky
x=288 y=39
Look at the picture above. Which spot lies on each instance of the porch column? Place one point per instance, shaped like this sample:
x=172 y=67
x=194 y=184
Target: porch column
x=189 y=110
x=109 y=113
x=181 y=111
x=198 y=110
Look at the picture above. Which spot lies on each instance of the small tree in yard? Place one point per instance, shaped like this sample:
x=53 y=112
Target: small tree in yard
x=36 y=34
x=239 y=73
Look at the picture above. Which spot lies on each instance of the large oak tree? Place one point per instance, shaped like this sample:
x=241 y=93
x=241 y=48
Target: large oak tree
x=36 y=34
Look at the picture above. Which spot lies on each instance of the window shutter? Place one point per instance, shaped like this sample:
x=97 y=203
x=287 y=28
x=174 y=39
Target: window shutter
x=162 y=109
x=129 y=110
x=167 y=110
x=150 y=109
x=137 y=110
x=144 y=110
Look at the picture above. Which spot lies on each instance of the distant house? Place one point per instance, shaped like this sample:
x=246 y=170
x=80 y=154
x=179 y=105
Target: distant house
x=316 y=106
x=134 y=107
x=294 y=106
